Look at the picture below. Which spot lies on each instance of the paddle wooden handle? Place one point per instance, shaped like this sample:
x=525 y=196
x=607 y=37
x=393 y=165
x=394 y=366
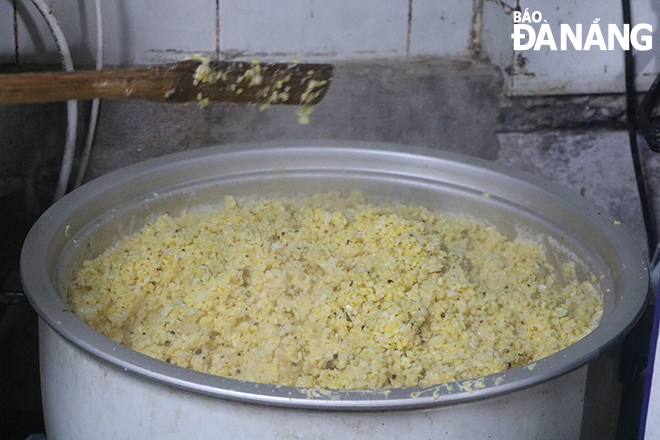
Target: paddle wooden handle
x=240 y=82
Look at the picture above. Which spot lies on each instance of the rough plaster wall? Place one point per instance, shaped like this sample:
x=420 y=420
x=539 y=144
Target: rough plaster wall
x=597 y=164
x=439 y=103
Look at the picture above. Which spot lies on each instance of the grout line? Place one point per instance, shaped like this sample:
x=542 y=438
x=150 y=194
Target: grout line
x=474 y=45
x=506 y=7
x=410 y=3
x=217 y=30
x=15 y=6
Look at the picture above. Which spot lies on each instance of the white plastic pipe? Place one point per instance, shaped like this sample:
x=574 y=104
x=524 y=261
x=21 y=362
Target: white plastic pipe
x=72 y=106
x=93 y=119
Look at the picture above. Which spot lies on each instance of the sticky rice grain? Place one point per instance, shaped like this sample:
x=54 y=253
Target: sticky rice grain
x=332 y=292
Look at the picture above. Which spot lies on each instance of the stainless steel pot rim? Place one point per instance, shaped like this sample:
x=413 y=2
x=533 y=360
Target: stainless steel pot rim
x=395 y=159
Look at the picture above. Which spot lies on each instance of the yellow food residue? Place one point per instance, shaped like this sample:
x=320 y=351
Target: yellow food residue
x=303 y=113
x=252 y=77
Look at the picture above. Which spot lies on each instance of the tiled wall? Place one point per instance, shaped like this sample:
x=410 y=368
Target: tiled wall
x=554 y=72
x=147 y=31
x=150 y=31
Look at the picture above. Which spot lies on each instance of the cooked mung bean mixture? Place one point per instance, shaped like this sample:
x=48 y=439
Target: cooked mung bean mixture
x=332 y=292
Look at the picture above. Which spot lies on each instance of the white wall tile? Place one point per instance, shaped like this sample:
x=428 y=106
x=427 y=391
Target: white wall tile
x=556 y=72
x=544 y=71
x=148 y=31
x=648 y=62
x=295 y=28
x=75 y=18
x=7 y=46
x=135 y=31
x=35 y=42
x=507 y=3
x=151 y=31
x=440 y=27
x=496 y=37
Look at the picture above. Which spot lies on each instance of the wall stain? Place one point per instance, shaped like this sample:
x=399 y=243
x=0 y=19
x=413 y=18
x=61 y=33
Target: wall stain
x=474 y=45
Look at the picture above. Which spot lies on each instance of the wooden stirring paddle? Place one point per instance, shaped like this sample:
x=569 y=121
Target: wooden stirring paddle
x=186 y=81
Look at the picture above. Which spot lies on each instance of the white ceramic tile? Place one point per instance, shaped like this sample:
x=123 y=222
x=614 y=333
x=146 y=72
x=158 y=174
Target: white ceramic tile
x=647 y=62
x=496 y=37
x=546 y=71
x=149 y=31
x=78 y=21
x=7 y=46
x=314 y=27
x=35 y=42
x=75 y=18
x=135 y=31
x=440 y=27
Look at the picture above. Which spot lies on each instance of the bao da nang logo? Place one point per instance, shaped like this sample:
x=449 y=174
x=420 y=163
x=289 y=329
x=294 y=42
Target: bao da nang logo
x=525 y=37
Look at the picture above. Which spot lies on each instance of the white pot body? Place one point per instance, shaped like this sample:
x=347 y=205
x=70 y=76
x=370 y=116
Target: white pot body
x=86 y=398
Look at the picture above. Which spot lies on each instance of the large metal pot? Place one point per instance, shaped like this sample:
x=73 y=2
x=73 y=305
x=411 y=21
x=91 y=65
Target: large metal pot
x=96 y=388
